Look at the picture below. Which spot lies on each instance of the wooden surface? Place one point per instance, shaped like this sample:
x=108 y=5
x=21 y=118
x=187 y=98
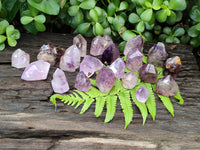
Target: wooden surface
x=28 y=119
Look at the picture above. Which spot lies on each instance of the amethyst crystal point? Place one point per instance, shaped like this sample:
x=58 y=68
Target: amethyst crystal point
x=37 y=70
x=81 y=43
x=110 y=54
x=108 y=41
x=90 y=64
x=59 y=82
x=82 y=82
x=70 y=61
x=118 y=67
x=135 y=42
x=129 y=80
x=167 y=86
x=142 y=94
x=173 y=64
x=105 y=79
x=148 y=73
x=157 y=55
x=97 y=46
x=20 y=59
x=134 y=60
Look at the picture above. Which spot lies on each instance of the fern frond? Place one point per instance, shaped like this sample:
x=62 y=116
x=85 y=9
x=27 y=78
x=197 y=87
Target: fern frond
x=93 y=82
x=117 y=87
x=111 y=102
x=70 y=99
x=138 y=77
x=79 y=103
x=168 y=104
x=126 y=70
x=94 y=92
x=126 y=105
x=100 y=102
x=160 y=72
x=179 y=97
x=86 y=105
x=144 y=59
x=82 y=94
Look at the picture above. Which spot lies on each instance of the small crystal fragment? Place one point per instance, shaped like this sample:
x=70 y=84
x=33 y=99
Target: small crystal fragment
x=118 y=67
x=134 y=60
x=148 y=73
x=129 y=80
x=81 y=43
x=142 y=94
x=173 y=64
x=167 y=86
x=108 y=41
x=134 y=43
x=90 y=65
x=20 y=59
x=59 y=82
x=37 y=70
x=70 y=61
x=110 y=54
x=157 y=55
x=105 y=79
x=82 y=82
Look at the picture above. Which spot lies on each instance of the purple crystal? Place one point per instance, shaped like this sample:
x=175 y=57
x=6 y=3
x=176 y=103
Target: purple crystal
x=129 y=80
x=135 y=42
x=81 y=43
x=148 y=73
x=134 y=60
x=167 y=86
x=118 y=67
x=70 y=61
x=37 y=70
x=97 y=46
x=157 y=55
x=20 y=59
x=110 y=54
x=59 y=82
x=142 y=94
x=105 y=79
x=90 y=64
x=173 y=64
x=108 y=41
x=82 y=82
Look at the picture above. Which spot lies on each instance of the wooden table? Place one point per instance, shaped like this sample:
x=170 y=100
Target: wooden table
x=28 y=119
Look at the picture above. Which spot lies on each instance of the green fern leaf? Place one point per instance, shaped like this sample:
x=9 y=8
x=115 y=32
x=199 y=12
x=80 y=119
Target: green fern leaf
x=93 y=82
x=79 y=103
x=117 y=87
x=168 y=104
x=76 y=99
x=160 y=72
x=179 y=97
x=82 y=94
x=144 y=59
x=100 y=102
x=126 y=70
x=111 y=102
x=53 y=99
x=138 y=77
x=126 y=105
x=70 y=99
x=86 y=105
x=94 y=92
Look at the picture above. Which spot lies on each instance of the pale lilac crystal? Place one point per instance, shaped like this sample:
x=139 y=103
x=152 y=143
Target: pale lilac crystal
x=174 y=65
x=134 y=60
x=148 y=73
x=81 y=43
x=20 y=59
x=37 y=70
x=135 y=42
x=90 y=65
x=118 y=67
x=108 y=41
x=59 y=82
x=97 y=46
x=82 y=82
x=167 y=86
x=129 y=80
x=157 y=55
x=105 y=79
x=70 y=61
x=142 y=94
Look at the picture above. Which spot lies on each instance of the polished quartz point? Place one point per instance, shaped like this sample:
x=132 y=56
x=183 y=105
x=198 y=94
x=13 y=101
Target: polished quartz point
x=129 y=80
x=81 y=43
x=174 y=65
x=82 y=82
x=20 y=59
x=118 y=67
x=148 y=73
x=142 y=94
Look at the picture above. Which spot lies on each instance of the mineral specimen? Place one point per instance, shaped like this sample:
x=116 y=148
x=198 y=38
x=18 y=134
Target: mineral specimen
x=108 y=41
x=59 y=82
x=148 y=73
x=157 y=55
x=167 y=86
x=118 y=67
x=105 y=79
x=37 y=70
x=134 y=60
x=173 y=64
x=135 y=42
x=90 y=64
x=81 y=43
x=129 y=80
x=70 y=61
x=142 y=94
x=20 y=59
x=82 y=82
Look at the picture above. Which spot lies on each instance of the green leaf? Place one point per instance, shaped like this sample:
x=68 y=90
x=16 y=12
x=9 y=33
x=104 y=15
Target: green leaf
x=149 y=26
x=148 y=36
x=122 y=46
x=195 y=42
x=111 y=102
x=117 y=87
x=185 y=39
x=195 y=14
x=2 y=39
x=93 y=14
x=133 y=18
x=9 y=30
x=26 y=20
x=100 y=102
x=98 y=29
x=86 y=105
x=107 y=31
x=144 y=59
x=198 y=26
x=110 y=20
x=147 y=15
x=140 y=26
x=193 y=32
x=88 y=4
x=40 y=18
x=179 y=32
x=118 y=22
x=15 y=35
x=11 y=42
x=179 y=16
x=116 y=3
x=74 y=2
x=0 y=5
x=126 y=105
x=178 y=5
x=111 y=9
x=167 y=103
x=172 y=18
x=31 y=12
x=31 y=28
x=101 y=14
x=157 y=4
x=2 y=46
x=167 y=30
x=40 y=27
x=162 y=37
x=3 y=25
x=169 y=39
x=179 y=97
x=123 y=6
x=73 y=10
x=161 y=15
x=77 y=20
x=83 y=28
x=126 y=35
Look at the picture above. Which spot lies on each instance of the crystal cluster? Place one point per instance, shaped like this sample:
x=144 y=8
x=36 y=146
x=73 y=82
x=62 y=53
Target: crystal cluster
x=81 y=43
x=142 y=94
x=118 y=67
x=174 y=65
x=148 y=73
x=82 y=82
x=20 y=59
x=129 y=80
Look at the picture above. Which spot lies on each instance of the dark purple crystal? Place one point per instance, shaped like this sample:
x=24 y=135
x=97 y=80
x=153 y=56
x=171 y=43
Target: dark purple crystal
x=148 y=73
x=173 y=64
x=82 y=82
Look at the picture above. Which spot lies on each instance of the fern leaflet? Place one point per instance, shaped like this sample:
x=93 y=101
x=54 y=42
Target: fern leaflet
x=160 y=72
x=100 y=102
x=86 y=105
x=179 y=97
x=117 y=87
x=111 y=102
x=79 y=103
x=144 y=59
x=168 y=104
